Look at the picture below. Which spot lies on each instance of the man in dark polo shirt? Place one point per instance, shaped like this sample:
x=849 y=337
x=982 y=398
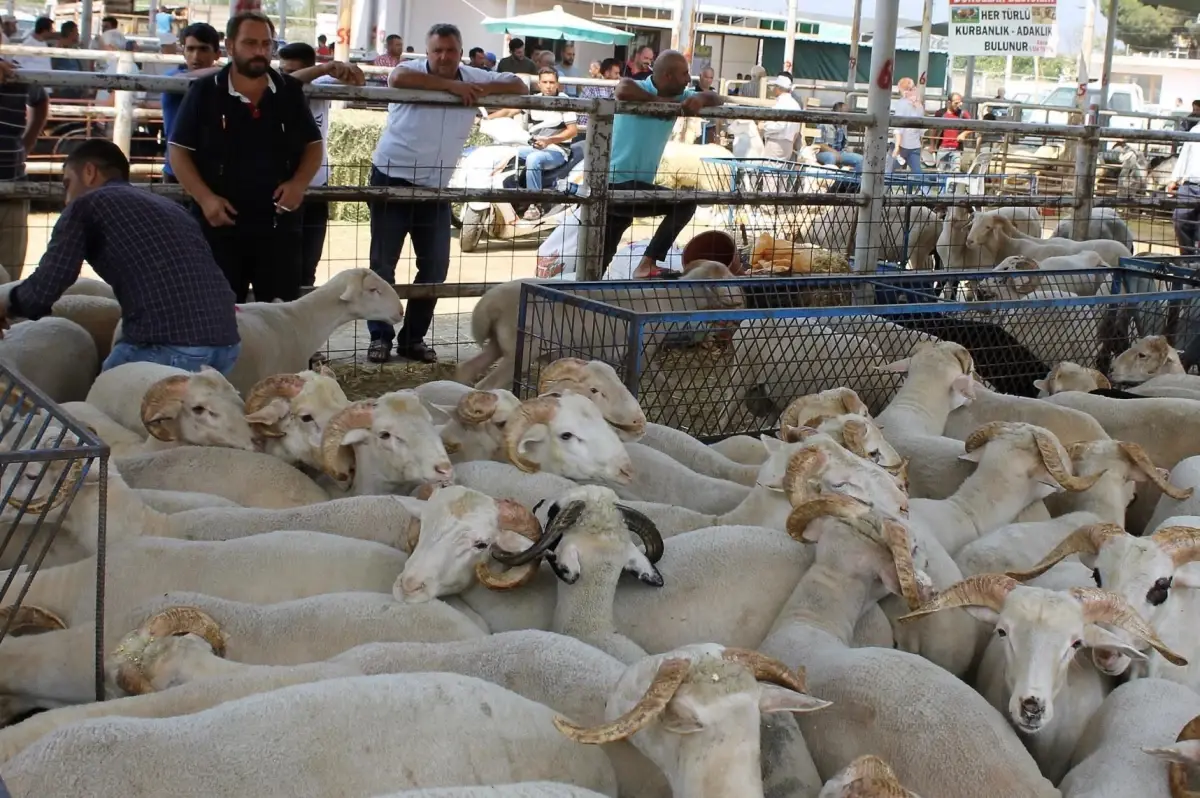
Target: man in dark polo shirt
x=176 y=307
x=19 y=131
x=245 y=147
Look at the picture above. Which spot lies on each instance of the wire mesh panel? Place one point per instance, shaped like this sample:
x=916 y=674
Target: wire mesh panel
x=1180 y=323
x=45 y=459
x=717 y=358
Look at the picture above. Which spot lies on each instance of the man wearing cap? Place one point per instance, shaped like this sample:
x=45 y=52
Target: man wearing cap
x=779 y=138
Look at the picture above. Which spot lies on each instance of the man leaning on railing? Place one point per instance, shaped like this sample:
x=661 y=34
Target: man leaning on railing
x=18 y=133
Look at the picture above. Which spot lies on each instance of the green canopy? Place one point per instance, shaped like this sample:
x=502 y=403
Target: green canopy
x=557 y=24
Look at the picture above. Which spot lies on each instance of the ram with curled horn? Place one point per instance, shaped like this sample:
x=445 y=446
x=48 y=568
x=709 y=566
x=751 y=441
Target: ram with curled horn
x=1053 y=457
x=1182 y=759
x=131 y=664
x=268 y=403
x=599 y=382
x=337 y=454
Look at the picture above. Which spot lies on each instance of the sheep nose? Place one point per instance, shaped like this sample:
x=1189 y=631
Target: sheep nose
x=444 y=470
x=1032 y=708
x=625 y=474
x=411 y=584
x=904 y=508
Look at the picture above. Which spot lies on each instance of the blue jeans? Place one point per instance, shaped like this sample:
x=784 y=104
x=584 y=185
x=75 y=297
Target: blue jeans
x=538 y=162
x=1186 y=220
x=911 y=158
x=843 y=158
x=188 y=358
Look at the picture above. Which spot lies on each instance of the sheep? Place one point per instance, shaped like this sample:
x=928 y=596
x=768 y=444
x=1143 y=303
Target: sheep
x=742 y=449
x=475 y=430
x=1143 y=571
x=428 y=729
x=1027 y=670
x=599 y=382
x=288 y=414
x=55 y=355
x=1104 y=223
x=1024 y=276
x=1182 y=758
x=527 y=789
x=1137 y=718
x=694 y=712
x=952 y=240
x=1067 y=376
x=99 y=315
x=177 y=407
x=494 y=323
x=998 y=234
x=661 y=478
x=1149 y=357
x=914 y=229
x=859 y=556
x=119 y=438
x=1068 y=425
x=1185 y=474
x=251 y=479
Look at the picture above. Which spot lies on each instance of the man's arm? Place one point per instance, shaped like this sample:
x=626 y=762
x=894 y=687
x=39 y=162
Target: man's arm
x=39 y=111
x=56 y=272
x=339 y=71
x=567 y=134
x=629 y=91
x=185 y=138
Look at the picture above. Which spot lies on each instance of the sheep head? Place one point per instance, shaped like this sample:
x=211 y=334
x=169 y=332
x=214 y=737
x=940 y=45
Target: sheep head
x=362 y=294
x=833 y=402
x=1181 y=757
x=37 y=488
x=988 y=229
x=1127 y=459
x=1151 y=356
x=460 y=531
x=721 y=297
x=821 y=467
x=146 y=660
x=934 y=364
x=391 y=440
x=288 y=414
x=865 y=777
x=1142 y=571
x=1017 y=276
x=1033 y=450
x=1041 y=630
x=566 y=435
x=859 y=435
x=29 y=620
x=1067 y=376
x=599 y=382
x=202 y=409
x=475 y=430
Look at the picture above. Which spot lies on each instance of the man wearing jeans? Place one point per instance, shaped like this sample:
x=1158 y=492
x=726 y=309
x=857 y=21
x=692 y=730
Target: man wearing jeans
x=831 y=144
x=1185 y=184
x=552 y=133
x=637 y=147
x=420 y=146
x=176 y=305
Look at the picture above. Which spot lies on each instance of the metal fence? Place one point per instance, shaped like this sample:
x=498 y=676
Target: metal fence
x=698 y=363
x=45 y=460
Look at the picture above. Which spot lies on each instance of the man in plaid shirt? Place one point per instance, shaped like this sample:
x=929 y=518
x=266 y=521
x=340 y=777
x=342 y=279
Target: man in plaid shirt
x=176 y=306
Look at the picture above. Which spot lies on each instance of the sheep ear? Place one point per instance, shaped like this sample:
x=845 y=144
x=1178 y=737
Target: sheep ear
x=638 y=565
x=438 y=414
x=350 y=292
x=356 y=436
x=1042 y=385
x=678 y=718
x=1182 y=753
x=962 y=390
x=512 y=542
x=779 y=699
x=984 y=615
x=1185 y=576
x=974 y=456
x=899 y=367
x=1096 y=637
x=534 y=436
x=271 y=413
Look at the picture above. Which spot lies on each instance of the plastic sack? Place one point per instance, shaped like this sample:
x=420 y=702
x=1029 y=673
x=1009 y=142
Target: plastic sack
x=630 y=255
x=558 y=256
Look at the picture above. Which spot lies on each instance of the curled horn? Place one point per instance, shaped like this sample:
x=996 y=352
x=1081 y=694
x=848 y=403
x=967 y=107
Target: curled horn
x=171 y=622
x=30 y=620
x=286 y=386
x=337 y=463
x=981 y=590
x=963 y=356
x=156 y=402
x=1101 y=380
x=65 y=490
x=984 y=434
x=767 y=669
x=1180 y=543
x=851 y=402
x=895 y=537
x=671 y=674
x=800 y=467
x=1137 y=455
x=514 y=517
x=871 y=777
x=1104 y=606
x=565 y=368
x=641 y=525
x=1177 y=771
x=1085 y=540
x=476 y=407
x=566 y=518
x=1047 y=447
x=846 y=508
x=531 y=411
x=854 y=436
x=791 y=414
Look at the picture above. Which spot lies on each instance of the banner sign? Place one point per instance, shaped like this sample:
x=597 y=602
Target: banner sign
x=1003 y=27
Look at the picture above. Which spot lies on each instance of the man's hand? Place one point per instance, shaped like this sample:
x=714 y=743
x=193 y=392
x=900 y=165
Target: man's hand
x=469 y=92
x=218 y=211
x=7 y=71
x=349 y=74
x=692 y=105
x=289 y=195
x=1172 y=187
x=538 y=144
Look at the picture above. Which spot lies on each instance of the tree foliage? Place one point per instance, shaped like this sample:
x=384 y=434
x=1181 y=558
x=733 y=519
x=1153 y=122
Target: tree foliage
x=1149 y=28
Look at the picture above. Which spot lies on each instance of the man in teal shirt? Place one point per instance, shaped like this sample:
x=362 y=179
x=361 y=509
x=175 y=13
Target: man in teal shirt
x=637 y=147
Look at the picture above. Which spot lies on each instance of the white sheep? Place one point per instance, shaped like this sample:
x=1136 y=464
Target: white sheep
x=1148 y=357
x=288 y=414
x=599 y=382
x=664 y=479
x=998 y=234
x=56 y=356
x=408 y=730
x=1068 y=425
x=99 y=315
x=1020 y=276
x=1067 y=376
x=1031 y=670
x=475 y=429
x=952 y=241
x=1185 y=474
x=1103 y=223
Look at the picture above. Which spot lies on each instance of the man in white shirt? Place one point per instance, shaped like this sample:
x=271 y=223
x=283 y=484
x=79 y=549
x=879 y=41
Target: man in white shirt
x=779 y=138
x=1185 y=184
x=420 y=146
x=569 y=69
x=551 y=133
x=907 y=140
x=43 y=30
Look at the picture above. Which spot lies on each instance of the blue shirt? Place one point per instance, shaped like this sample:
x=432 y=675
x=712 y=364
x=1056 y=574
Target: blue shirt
x=638 y=142
x=170 y=107
x=162 y=22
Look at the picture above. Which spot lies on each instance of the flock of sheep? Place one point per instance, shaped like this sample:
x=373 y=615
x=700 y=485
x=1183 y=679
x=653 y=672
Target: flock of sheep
x=935 y=590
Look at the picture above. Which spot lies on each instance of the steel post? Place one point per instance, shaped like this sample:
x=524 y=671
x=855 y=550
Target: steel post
x=789 y=37
x=85 y=22
x=1110 y=38
x=855 y=35
x=1086 y=153
x=923 y=57
x=599 y=150
x=123 y=123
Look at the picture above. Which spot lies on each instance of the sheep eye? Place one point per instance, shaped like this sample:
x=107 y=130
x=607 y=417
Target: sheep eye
x=1000 y=632
x=1077 y=644
x=1158 y=594
x=565 y=436
x=500 y=424
x=876 y=456
x=1096 y=576
x=595 y=390
x=481 y=545
x=1141 y=355
x=198 y=409
x=306 y=418
x=385 y=435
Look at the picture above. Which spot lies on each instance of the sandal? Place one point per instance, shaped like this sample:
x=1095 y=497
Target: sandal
x=419 y=352
x=379 y=351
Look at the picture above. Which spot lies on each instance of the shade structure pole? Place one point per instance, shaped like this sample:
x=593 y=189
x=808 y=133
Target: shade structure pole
x=969 y=89
x=923 y=58
x=1085 y=54
x=789 y=36
x=683 y=27
x=1110 y=38
x=855 y=35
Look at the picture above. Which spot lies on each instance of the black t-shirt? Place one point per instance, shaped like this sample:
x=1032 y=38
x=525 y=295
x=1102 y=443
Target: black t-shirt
x=14 y=97
x=244 y=151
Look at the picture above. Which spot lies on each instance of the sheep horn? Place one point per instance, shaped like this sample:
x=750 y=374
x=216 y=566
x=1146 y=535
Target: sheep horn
x=895 y=537
x=1104 y=606
x=564 y=369
x=871 y=777
x=1177 y=772
x=1137 y=455
x=851 y=402
x=514 y=517
x=854 y=437
x=476 y=407
x=767 y=669
x=985 y=434
x=981 y=590
x=1101 y=380
x=531 y=411
x=337 y=464
x=641 y=525
x=412 y=534
x=567 y=517
x=171 y=622
x=671 y=674
x=791 y=414
x=156 y=404
x=1180 y=543
x=285 y=386
x=800 y=467
x=963 y=356
x=1047 y=447
x=72 y=478
x=1085 y=540
x=846 y=508
x=25 y=620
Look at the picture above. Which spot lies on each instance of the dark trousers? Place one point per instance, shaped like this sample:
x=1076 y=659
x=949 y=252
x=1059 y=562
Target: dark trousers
x=428 y=223
x=620 y=217
x=265 y=256
x=1187 y=219
x=314 y=220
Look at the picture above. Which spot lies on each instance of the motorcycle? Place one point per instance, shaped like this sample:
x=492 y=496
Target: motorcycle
x=499 y=166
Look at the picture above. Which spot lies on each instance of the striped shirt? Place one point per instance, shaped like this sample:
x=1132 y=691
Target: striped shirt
x=14 y=97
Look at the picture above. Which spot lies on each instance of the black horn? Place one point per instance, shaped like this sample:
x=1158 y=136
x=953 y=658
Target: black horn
x=561 y=522
x=644 y=528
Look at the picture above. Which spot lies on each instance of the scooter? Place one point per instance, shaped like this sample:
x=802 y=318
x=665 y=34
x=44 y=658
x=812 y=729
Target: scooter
x=499 y=166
